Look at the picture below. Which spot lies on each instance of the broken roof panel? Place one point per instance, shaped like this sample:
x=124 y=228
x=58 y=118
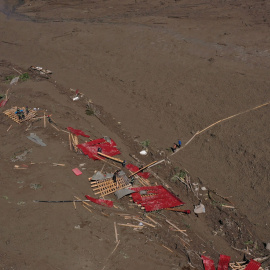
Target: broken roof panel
x=109 y=175
x=208 y=263
x=103 y=202
x=253 y=265
x=34 y=138
x=98 y=176
x=155 y=198
x=77 y=132
x=91 y=148
x=123 y=192
x=224 y=261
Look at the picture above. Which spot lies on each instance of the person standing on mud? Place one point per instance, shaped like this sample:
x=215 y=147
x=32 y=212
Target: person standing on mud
x=175 y=146
x=115 y=177
x=22 y=114
x=18 y=112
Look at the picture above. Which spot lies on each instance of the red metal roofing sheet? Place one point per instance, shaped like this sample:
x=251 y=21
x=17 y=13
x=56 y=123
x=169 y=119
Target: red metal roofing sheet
x=224 y=261
x=208 y=263
x=156 y=198
x=91 y=148
x=77 y=132
x=253 y=265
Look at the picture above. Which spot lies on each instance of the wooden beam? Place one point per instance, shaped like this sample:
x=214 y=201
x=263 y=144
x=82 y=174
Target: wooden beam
x=7 y=94
x=116 y=234
x=130 y=225
x=182 y=231
x=76 y=140
x=143 y=222
x=143 y=168
x=112 y=158
x=87 y=208
x=167 y=248
x=73 y=142
x=9 y=128
x=70 y=144
x=84 y=203
x=178 y=210
x=152 y=220
x=44 y=120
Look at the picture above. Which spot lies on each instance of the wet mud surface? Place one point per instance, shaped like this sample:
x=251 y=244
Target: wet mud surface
x=156 y=72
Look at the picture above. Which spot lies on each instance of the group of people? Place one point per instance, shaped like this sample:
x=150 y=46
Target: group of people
x=175 y=146
x=20 y=113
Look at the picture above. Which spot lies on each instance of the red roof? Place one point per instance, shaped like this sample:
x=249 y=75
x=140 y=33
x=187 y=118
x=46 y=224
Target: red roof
x=156 y=198
x=91 y=148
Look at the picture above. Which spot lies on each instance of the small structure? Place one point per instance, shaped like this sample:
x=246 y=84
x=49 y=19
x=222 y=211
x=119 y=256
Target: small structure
x=105 y=186
x=28 y=114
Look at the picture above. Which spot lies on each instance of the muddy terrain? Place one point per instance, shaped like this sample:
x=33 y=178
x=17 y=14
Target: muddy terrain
x=151 y=73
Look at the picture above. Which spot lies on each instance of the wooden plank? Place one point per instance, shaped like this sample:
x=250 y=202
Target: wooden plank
x=152 y=220
x=143 y=168
x=112 y=158
x=167 y=248
x=44 y=120
x=76 y=140
x=54 y=127
x=73 y=142
x=143 y=222
x=129 y=225
x=69 y=139
x=178 y=210
x=9 y=128
x=82 y=201
x=115 y=231
x=182 y=231
x=87 y=208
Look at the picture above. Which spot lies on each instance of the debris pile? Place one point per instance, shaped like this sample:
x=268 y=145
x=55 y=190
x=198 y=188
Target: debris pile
x=129 y=180
x=105 y=184
x=40 y=70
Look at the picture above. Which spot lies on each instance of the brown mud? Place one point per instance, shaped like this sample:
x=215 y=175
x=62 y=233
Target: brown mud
x=157 y=72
